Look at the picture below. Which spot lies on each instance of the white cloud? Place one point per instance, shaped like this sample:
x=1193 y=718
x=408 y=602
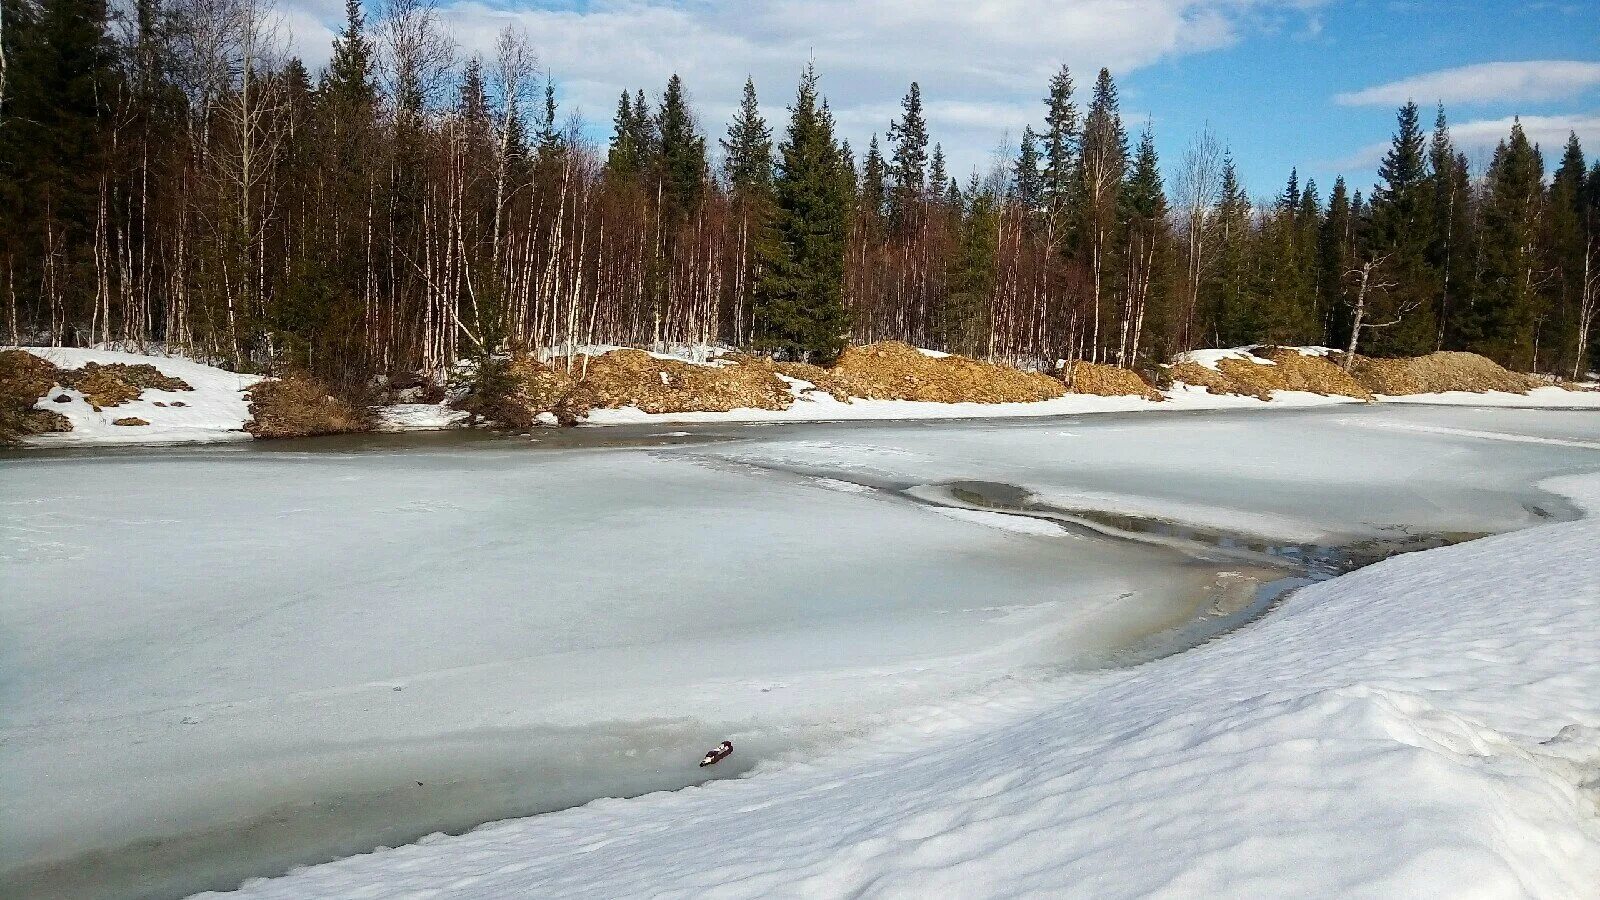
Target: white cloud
x=983 y=64
x=1540 y=79
x=1478 y=138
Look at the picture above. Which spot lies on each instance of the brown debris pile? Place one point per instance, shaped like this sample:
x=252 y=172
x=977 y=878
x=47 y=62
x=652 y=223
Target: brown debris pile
x=891 y=370
x=1107 y=381
x=298 y=405
x=129 y=420
x=1281 y=369
x=24 y=380
x=1437 y=372
x=635 y=378
x=114 y=384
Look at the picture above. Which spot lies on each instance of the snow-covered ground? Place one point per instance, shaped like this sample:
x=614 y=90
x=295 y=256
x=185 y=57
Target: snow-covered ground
x=225 y=661
x=1427 y=727
x=215 y=410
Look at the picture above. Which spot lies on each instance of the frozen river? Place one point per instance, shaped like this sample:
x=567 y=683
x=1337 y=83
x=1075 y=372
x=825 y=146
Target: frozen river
x=219 y=662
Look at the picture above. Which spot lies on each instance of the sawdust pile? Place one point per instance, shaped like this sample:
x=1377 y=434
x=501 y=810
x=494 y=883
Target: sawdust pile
x=891 y=370
x=114 y=384
x=1107 y=381
x=1281 y=369
x=298 y=405
x=1437 y=372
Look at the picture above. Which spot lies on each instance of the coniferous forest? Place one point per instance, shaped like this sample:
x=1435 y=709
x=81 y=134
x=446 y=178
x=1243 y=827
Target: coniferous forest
x=170 y=175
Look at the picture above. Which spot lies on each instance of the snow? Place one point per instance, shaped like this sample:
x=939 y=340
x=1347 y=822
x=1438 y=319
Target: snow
x=525 y=629
x=1210 y=358
x=216 y=410
x=1429 y=726
x=1541 y=397
x=419 y=417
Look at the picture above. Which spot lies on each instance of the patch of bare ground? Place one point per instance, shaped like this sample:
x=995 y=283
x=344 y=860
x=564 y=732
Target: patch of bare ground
x=1438 y=372
x=298 y=405
x=24 y=381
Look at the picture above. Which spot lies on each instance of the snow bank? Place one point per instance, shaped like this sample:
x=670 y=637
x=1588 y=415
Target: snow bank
x=1428 y=726
x=216 y=410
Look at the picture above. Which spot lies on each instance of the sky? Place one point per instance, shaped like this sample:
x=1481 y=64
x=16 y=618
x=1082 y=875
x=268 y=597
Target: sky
x=1307 y=84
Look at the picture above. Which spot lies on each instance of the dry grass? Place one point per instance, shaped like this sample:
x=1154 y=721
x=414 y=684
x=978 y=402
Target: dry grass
x=298 y=405
x=1438 y=372
x=1107 y=381
x=24 y=380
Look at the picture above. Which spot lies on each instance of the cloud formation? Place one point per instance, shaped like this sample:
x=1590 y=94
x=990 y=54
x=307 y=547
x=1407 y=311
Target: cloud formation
x=1537 y=79
x=983 y=64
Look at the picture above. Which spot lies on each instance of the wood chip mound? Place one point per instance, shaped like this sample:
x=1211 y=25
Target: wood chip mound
x=634 y=378
x=891 y=370
x=298 y=405
x=1107 y=381
x=24 y=380
x=129 y=420
x=1280 y=369
x=1445 y=370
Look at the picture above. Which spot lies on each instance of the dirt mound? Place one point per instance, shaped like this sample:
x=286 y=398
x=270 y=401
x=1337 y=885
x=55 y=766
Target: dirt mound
x=1280 y=369
x=1445 y=370
x=635 y=378
x=298 y=405
x=114 y=384
x=24 y=380
x=1107 y=381
x=130 y=421
x=891 y=370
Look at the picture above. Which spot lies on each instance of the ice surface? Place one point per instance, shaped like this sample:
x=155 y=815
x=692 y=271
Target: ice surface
x=259 y=655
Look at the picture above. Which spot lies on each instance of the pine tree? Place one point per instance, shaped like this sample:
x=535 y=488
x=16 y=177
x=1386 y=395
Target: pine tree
x=799 y=301
x=908 y=166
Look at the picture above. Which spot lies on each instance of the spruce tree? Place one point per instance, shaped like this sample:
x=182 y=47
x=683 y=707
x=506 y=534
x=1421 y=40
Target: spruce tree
x=962 y=317
x=1401 y=230
x=1027 y=183
x=1334 y=255
x=1569 y=239
x=1060 y=147
x=1506 y=300
x=623 y=159
x=908 y=166
x=874 y=185
x=682 y=153
x=799 y=300
x=748 y=149
x=938 y=178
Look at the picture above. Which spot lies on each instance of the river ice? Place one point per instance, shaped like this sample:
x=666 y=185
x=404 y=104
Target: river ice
x=221 y=662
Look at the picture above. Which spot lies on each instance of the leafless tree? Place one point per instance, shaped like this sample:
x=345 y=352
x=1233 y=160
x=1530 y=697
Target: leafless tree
x=1195 y=191
x=1367 y=291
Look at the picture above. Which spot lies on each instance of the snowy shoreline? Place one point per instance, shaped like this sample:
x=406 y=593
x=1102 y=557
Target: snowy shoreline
x=1429 y=725
x=216 y=410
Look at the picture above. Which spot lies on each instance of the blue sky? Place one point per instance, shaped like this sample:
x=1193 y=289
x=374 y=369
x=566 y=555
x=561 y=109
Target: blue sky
x=1306 y=83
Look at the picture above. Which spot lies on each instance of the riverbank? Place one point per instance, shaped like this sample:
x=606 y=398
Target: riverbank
x=615 y=386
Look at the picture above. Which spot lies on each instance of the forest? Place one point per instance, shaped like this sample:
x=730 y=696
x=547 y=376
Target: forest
x=171 y=176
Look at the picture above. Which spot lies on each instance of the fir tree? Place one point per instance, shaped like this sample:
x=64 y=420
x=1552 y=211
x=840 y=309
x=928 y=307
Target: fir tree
x=748 y=149
x=1505 y=305
x=1335 y=251
x=874 y=184
x=937 y=176
x=1060 y=146
x=1448 y=248
x=962 y=316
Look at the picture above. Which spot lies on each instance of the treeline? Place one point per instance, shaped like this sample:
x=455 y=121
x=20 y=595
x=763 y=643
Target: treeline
x=169 y=175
